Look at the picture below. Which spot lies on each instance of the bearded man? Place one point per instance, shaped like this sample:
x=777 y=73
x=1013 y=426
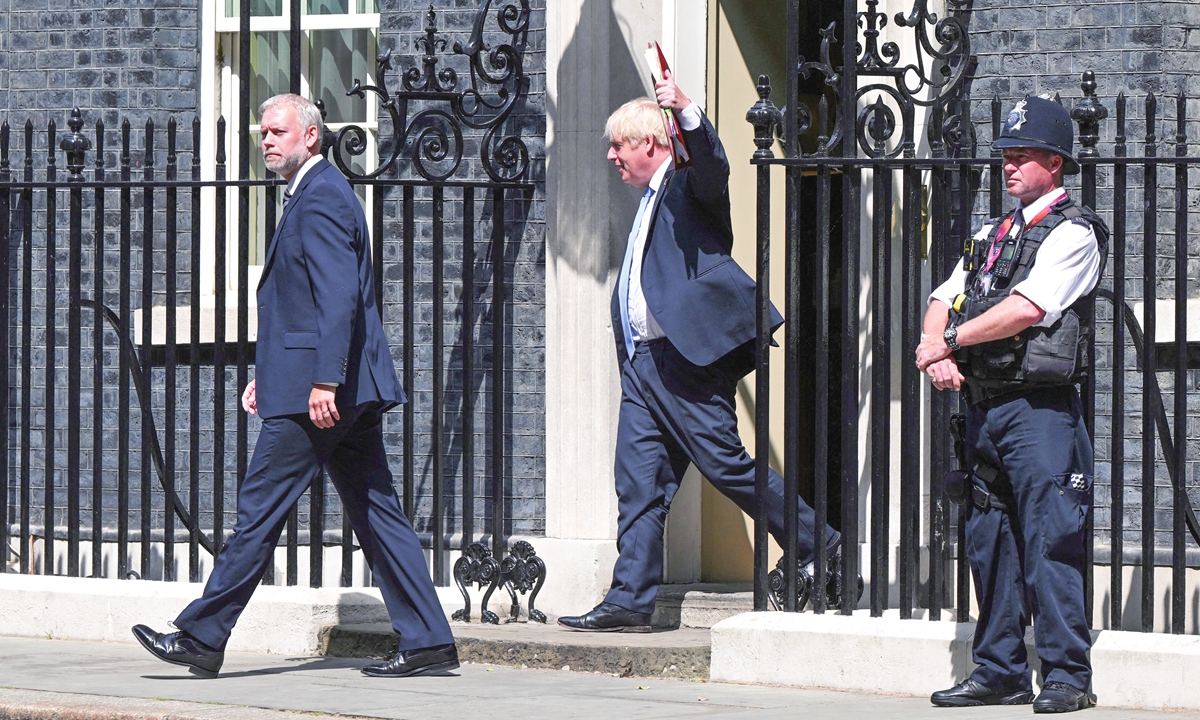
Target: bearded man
x=323 y=379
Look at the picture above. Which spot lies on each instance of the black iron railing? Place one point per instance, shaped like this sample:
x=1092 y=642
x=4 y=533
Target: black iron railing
x=155 y=440
x=876 y=148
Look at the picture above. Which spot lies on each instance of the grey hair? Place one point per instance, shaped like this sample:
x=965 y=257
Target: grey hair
x=306 y=112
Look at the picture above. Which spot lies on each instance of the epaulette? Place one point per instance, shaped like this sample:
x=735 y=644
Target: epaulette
x=1072 y=213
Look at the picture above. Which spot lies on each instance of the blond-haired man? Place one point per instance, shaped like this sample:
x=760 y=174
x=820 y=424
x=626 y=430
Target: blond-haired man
x=683 y=316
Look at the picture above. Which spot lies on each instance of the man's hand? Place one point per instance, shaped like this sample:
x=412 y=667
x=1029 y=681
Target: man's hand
x=945 y=375
x=668 y=93
x=322 y=409
x=932 y=349
x=250 y=400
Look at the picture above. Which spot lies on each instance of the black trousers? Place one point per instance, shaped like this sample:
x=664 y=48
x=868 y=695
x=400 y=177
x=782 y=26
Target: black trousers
x=1028 y=561
x=674 y=414
x=289 y=454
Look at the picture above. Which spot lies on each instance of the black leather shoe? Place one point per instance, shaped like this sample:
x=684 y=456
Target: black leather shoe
x=969 y=693
x=607 y=617
x=419 y=661
x=180 y=648
x=1060 y=697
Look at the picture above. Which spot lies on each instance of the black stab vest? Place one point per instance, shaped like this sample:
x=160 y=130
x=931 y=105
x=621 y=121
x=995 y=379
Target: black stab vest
x=1038 y=356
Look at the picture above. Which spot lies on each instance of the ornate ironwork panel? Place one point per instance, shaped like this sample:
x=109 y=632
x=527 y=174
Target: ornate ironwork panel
x=935 y=78
x=433 y=106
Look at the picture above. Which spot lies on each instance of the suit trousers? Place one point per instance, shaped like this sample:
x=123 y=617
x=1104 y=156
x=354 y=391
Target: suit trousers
x=674 y=414
x=1028 y=560
x=287 y=457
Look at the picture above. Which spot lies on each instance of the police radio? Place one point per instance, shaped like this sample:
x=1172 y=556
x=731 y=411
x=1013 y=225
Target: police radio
x=1006 y=263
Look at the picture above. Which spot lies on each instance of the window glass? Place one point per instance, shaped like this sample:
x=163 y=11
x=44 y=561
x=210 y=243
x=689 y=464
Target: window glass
x=258 y=8
x=335 y=58
x=270 y=56
x=328 y=7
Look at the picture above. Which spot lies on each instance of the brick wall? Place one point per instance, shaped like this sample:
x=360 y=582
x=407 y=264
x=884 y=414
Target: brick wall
x=120 y=55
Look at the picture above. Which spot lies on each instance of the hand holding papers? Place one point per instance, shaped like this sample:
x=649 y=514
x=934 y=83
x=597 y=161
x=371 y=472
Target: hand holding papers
x=669 y=96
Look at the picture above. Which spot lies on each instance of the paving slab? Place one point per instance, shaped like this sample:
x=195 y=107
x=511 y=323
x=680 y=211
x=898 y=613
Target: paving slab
x=102 y=681
x=680 y=653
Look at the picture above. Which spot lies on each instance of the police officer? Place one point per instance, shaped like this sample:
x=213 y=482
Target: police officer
x=1009 y=328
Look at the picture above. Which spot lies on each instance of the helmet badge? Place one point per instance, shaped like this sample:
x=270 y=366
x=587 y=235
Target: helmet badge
x=1016 y=118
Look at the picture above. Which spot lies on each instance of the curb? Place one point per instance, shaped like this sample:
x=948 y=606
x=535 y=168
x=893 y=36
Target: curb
x=676 y=654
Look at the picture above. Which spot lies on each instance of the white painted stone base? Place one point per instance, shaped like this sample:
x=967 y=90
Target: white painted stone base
x=918 y=657
x=910 y=657
x=284 y=620
x=579 y=573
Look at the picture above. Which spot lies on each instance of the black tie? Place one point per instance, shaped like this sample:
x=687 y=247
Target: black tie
x=287 y=195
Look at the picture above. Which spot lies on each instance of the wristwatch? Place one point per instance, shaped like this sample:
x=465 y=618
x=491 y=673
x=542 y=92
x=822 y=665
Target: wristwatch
x=951 y=337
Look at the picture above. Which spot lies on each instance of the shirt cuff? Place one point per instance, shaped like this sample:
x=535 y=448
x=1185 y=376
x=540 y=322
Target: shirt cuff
x=329 y=384
x=690 y=117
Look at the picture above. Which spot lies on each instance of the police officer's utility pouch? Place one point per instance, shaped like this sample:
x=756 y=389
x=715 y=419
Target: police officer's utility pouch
x=1051 y=352
x=957 y=485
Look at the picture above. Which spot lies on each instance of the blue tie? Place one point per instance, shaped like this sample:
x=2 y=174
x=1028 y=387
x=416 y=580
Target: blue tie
x=627 y=268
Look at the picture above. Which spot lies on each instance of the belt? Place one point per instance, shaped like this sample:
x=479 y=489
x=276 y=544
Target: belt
x=976 y=395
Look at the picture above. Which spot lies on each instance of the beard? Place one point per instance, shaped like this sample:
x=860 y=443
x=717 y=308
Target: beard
x=287 y=165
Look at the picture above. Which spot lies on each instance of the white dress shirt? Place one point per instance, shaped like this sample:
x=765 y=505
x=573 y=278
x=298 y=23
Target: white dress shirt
x=1066 y=268
x=641 y=321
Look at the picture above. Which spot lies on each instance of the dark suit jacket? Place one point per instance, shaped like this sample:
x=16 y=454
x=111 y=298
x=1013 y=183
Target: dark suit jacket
x=699 y=296
x=317 y=315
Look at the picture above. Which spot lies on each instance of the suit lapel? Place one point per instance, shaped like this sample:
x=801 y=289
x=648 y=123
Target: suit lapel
x=658 y=198
x=287 y=211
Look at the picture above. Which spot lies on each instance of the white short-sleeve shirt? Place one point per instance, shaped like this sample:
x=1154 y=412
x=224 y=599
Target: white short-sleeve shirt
x=1066 y=268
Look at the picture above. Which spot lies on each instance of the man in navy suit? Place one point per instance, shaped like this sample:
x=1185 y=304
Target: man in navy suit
x=324 y=377
x=683 y=316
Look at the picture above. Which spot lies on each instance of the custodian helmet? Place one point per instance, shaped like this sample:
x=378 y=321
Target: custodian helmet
x=1036 y=122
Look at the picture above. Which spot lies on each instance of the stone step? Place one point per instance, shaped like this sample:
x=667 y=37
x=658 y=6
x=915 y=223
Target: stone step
x=700 y=605
x=680 y=653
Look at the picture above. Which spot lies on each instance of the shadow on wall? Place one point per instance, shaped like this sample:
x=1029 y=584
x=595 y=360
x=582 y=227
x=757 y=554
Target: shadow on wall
x=579 y=145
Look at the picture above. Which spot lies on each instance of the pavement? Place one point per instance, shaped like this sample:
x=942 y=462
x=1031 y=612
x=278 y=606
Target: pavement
x=42 y=679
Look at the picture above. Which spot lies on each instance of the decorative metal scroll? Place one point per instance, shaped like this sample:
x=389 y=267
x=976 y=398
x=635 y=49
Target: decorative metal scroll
x=522 y=571
x=935 y=79
x=805 y=582
x=476 y=566
x=777 y=585
x=443 y=103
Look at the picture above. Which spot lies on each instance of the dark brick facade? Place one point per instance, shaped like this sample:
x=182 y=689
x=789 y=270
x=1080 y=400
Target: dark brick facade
x=402 y=24
x=136 y=60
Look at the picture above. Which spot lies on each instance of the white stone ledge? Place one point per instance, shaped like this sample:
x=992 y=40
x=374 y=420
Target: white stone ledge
x=278 y=619
x=917 y=657
x=284 y=620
